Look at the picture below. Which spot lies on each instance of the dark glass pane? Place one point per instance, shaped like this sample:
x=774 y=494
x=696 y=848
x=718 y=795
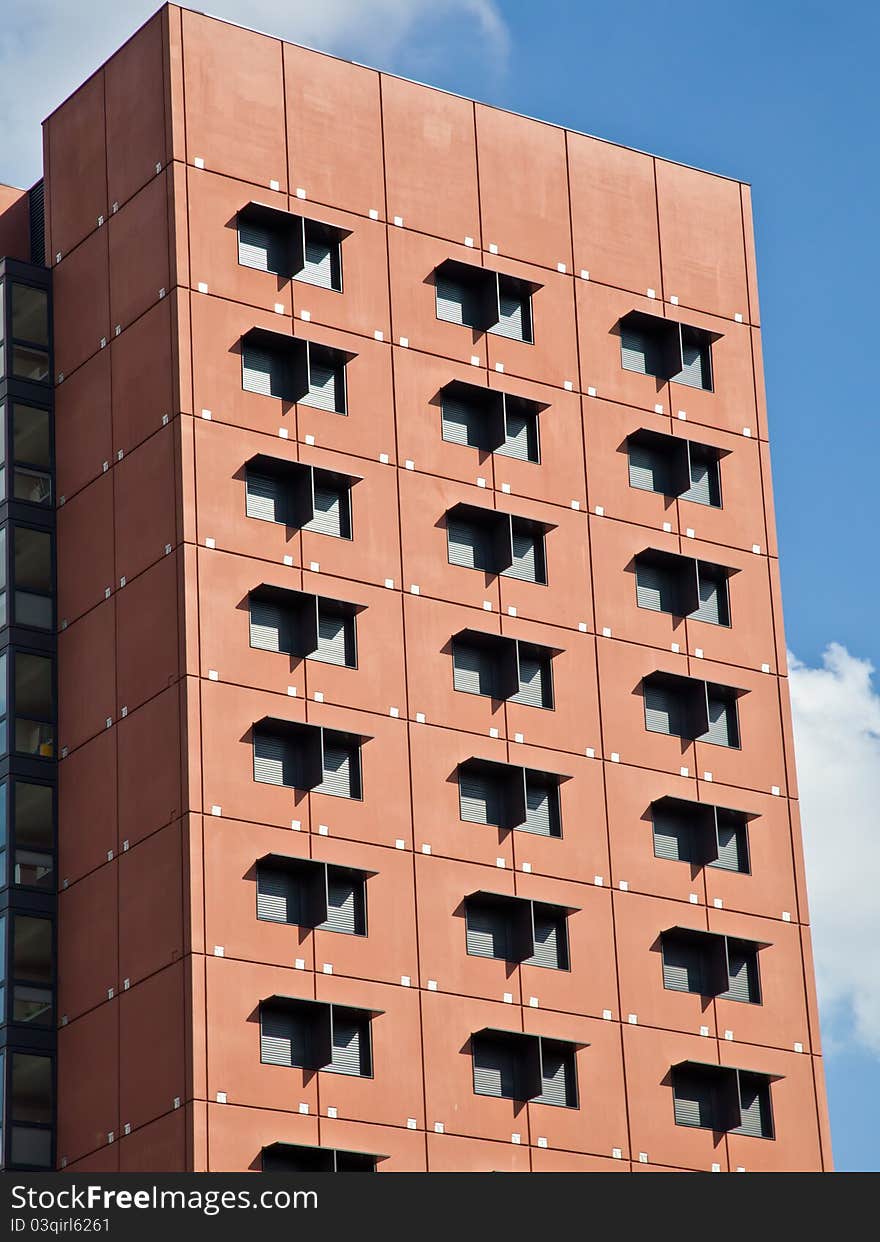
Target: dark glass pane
x=30 y=435
x=30 y=315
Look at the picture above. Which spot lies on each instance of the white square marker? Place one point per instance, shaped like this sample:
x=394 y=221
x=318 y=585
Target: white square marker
x=203 y=288
x=533 y=1002
x=374 y=215
x=438 y=1127
x=319 y=696
x=582 y=627
x=409 y=464
x=411 y=1123
x=398 y=220
x=288 y=560
x=542 y=1142
x=643 y=1157
x=420 y=717
x=651 y=293
x=394 y=712
x=505 y=487
x=219 y=950
x=404 y=342
x=213 y=675
x=718 y=903
x=399 y=845
x=389 y=582
x=306 y=315
x=585 y=275
x=432 y=985
x=693 y=899
x=493 y=732
x=658 y=409
x=315 y=566
x=499 y=366
x=632 y=1019
x=673 y=298
x=704 y=1030
x=300 y=192
x=606 y=631
x=716 y=1168
x=728 y=1034
x=220 y=1098
x=206 y=414
x=405 y=981
x=481 y=482
x=283 y=433
x=296 y=825
x=426 y=849
x=747 y=432
x=707 y=776
x=568 y=385
x=487 y=605
x=500 y=862
x=667 y=526
x=615 y=757
x=616 y=1153
x=607 y=1015
x=378 y=335
x=774 y=789
x=689 y=532
x=737 y=318
x=527 y=867
x=756 y=548
x=198 y=161
x=279 y=308
x=323 y=830
x=675 y=648
x=765 y=668
x=518 y=737
x=304 y=1109
x=328 y=968
x=468 y=241
x=698 y=653
x=786 y=916
x=592 y=392
x=682 y=414
x=799 y=1047
x=493 y=248
x=590 y=752
x=216 y=810
x=475 y=360
x=560 y=267
x=598 y=880
x=415 y=589
x=511 y=610
x=507 y=998
x=274 y=185
x=575 y=504
x=684 y=771
x=331 y=1112
x=624 y=886
x=516 y=1138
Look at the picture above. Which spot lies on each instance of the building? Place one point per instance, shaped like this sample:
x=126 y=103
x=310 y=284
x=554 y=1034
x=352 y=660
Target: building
x=426 y=791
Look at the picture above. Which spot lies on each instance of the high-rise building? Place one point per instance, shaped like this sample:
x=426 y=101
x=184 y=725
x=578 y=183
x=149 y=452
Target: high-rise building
x=425 y=783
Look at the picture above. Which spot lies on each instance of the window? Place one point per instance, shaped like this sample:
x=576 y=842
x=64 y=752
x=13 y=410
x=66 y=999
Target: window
x=514 y=1066
x=667 y=350
x=496 y=543
x=34 y=705
x=317 y=1036
x=312 y=894
x=29 y=1140
x=307 y=626
x=667 y=582
x=710 y=965
x=700 y=834
x=491 y=421
x=271 y=240
x=515 y=929
x=674 y=467
x=720 y=1098
x=483 y=300
x=509 y=797
x=695 y=711
x=503 y=668
x=291 y=369
x=294 y=494
x=307 y=757
x=32 y=553
x=294 y=1158
x=32 y=970
x=33 y=834
x=31 y=454
x=29 y=333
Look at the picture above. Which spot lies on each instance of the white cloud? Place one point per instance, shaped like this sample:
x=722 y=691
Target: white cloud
x=837 y=739
x=49 y=46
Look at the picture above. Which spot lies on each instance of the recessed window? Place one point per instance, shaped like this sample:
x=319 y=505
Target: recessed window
x=708 y=964
x=34 y=597
x=496 y=543
x=31 y=452
x=294 y=1158
x=316 y=1036
x=674 y=467
x=693 y=710
x=515 y=1066
x=294 y=370
x=700 y=834
x=307 y=757
x=30 y=1111
x=32 y=997
x=33 y=834
x=682 y=587
x=297 y=495
x=503 y=668
x=34 y=705
x=666 y=350
x=509 y=797
x=311 y=894
x=723 y=1099
x=491 y=421
x=275 y=241
x=484 y=301
x=307 y=626
x=515 y=929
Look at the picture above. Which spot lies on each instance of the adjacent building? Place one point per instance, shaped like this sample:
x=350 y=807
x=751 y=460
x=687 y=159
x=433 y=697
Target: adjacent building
x=420 y=735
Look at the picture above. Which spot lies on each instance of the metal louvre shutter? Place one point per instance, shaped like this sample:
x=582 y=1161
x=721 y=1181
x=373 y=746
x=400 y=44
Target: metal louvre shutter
x=255 y=245
x=743 y=973
x=705 y=488
x=267 y=621
x=754 y=1098
x=455 y=302
x=349 y=1046
x=732 y=851
x=664 y=712
x=265 y=497
x=695 y=372
x=549 y=942
x=673 y=838
x=328 y=519
x=638 y=352
x=657 y=588
x=648 y=470
x=279 y=896
x=469 y=545
x=318 y=265
x=326 y=387
x=694 y=1102
x=534 y=682
x=262 y=371
x=340 y=770
x=473 y=670
x=722 y=723
x=284 y=1039
x=494 y=1069
x=682 y=966
x=527 y=557
x=520 y=437
x=513 y=317
x=487 y=932
x=342 y=904
x=557 y=1077
x=334 y=639
x=479 y=798
x=273 y=760
x=713 y=599
x=540 y=807
x=462 y=422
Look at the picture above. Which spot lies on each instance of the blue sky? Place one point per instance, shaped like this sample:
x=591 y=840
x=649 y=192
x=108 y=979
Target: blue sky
x=783 y=95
